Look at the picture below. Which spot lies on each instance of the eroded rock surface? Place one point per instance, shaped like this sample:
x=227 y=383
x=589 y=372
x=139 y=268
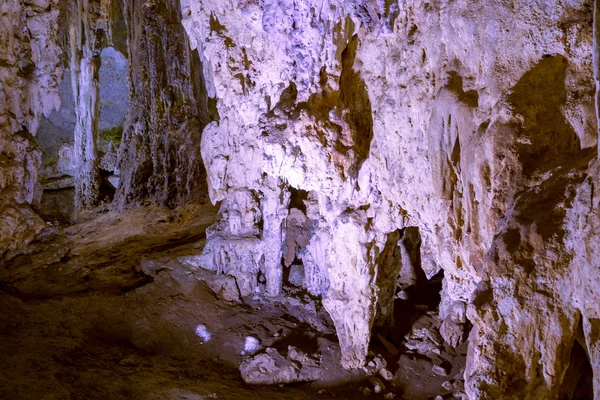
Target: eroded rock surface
x=160 y=155
x=29 y=75
x=472 y=122
x=352 y=146
x=270 y=368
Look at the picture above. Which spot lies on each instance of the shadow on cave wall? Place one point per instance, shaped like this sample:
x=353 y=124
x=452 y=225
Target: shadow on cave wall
x=403 y=285
x=547 y=143
x=578 y=382
x=355 y=97
x=548 y=139
x=352 y=97
x=160 y=160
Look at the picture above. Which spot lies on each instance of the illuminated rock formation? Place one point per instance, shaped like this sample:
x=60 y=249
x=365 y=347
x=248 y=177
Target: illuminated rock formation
x=361 y=142
x=473 y=122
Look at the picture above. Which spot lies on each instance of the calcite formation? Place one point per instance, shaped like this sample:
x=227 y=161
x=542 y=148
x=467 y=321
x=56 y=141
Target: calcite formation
x=473 y=123
x=361 y=143
x=160 y=155
x=90 y=26
x=29 y=74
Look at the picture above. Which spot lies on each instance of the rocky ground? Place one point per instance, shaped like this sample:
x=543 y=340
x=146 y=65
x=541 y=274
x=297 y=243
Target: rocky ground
x=109 y=309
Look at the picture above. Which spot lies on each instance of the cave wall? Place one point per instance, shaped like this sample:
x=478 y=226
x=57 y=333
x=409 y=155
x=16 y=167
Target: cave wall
x=159 y=158
x=29 y=74
x=474 y=122
x=328 y=127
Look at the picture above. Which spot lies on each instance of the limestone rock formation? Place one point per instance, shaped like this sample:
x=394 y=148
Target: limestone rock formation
x=160 y=155
x=271 y=367
x=29 y=74
x=472 y=122
x=355 y=147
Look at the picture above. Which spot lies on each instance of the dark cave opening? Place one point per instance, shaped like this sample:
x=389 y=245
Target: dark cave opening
x=578 y=381
x=419 y=299
x=56 y=135
x=406 y=289
x=297 y=237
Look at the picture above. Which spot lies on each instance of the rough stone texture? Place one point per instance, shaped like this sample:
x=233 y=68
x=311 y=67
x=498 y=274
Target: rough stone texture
x=339 y=127
x=473 y=122
x=272 y=368
x=160 y=155
x=90 y=25
x=29 y=75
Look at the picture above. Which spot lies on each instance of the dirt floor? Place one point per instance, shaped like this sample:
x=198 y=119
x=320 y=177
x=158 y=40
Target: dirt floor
x=81 y=318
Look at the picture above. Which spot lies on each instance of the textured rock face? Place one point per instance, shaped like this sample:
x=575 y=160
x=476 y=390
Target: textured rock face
x=29 y=74
x=362 y=139
x=472 y=122
x=90 y=26
x=160 y=155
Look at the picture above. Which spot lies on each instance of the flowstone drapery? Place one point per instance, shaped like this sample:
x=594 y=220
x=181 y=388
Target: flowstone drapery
x=440 y=116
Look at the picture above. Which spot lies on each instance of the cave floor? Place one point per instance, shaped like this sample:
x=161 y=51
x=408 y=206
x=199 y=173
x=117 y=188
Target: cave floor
x=81 y=320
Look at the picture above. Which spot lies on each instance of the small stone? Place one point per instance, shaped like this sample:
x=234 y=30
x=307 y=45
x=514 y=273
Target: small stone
x=438 y=397
x=447 y=385
x=402 y=295
x=386 y=374
x=114 y=180
x=251 y=345
x=296 y=276
x=226 y=288
x=439 y=370
x=203 y=333
x=379 y=362
x=378 y=386
x=390 y=396
x=367 y=391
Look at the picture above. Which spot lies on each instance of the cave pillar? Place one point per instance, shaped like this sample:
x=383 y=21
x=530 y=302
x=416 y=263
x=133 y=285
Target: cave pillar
x=89 y=23
x=274 y=206
x=351 y=297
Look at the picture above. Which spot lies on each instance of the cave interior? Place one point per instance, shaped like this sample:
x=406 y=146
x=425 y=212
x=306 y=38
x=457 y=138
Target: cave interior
x=390 y=199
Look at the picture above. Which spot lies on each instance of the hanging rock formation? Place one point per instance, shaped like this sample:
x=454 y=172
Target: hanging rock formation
x=353 y=142
x=473 y=122
x=90 y=26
